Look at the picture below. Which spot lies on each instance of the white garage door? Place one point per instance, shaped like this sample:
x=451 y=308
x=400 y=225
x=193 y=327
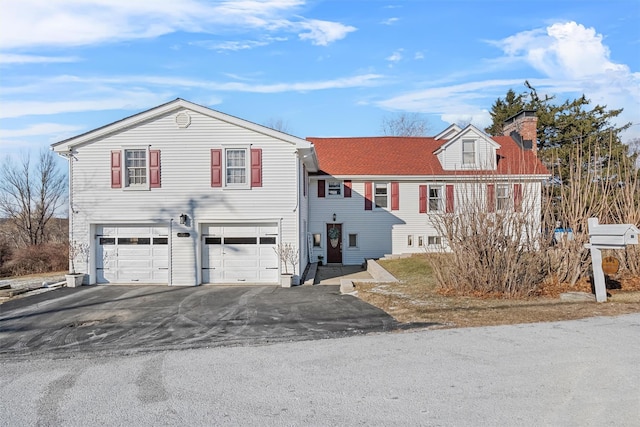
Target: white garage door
x=132 y=254
x=239 y=253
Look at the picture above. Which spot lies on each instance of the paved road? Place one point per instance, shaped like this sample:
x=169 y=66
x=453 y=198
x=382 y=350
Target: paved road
x=578 y=373
x=129 y=319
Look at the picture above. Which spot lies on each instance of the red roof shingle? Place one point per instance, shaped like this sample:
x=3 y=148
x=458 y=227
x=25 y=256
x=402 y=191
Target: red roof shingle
x=389 y=155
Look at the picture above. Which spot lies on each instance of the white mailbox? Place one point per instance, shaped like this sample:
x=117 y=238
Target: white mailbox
x=611 y=236
x=607 y=236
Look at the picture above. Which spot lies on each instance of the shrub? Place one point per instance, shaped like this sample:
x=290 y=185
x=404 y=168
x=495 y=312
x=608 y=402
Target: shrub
x=37 y=259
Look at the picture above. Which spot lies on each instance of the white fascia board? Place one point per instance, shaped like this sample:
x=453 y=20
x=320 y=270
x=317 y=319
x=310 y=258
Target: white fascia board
x=309 y=158
x=449 y=132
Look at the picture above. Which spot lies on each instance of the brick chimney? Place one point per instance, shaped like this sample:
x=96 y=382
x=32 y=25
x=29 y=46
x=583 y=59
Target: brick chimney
x=522 y=128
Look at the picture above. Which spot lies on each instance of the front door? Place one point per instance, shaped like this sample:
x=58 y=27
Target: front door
x=334 y=243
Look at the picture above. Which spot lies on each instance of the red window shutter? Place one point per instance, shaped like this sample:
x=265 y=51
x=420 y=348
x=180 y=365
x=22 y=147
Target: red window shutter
x=491 y=198
x=116 y=169
x=154 y=168
x=368 y=190
x=321 y=188
x=423 y=199
x=216 y=167
x=256 y=167
x=517 y=197
x=395 y=196
x=347 y=189
x=450 y=200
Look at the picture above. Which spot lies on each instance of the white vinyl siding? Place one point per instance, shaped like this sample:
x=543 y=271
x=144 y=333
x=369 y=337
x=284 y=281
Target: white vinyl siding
x=472 y=150
x=392 y=232
x=186 y=187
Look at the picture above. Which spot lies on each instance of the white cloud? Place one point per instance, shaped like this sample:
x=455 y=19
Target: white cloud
x=569 y=52
x=37 y=23
x=462 y=102
x=565 y=50
x=6 y=58
x=418 y=55
x=110 y=93
x=321 y=33
x=39 y=129
x=395 y=56
x=390 y=21
x=134 y=100
x=572 y=60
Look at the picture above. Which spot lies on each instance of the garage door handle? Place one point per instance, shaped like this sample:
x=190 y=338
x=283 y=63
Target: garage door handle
x=271 y=268
x=163 y=268
x=208 y=268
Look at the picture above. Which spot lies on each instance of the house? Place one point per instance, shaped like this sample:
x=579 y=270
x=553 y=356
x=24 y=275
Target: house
x=384 y=195
x=185 y=195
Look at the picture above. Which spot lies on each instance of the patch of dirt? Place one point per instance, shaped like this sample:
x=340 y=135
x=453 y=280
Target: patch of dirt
x=418 y=299
x=467 y=311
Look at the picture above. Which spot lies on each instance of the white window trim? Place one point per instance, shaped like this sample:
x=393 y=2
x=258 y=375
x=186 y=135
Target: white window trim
x=434 y=238
x=475 y=153
x=125 y=170
x=373 y=190
x=313 y=240
x=247 y=166
x=421 y=241
x=410 y=241
x=442 y=203
x=328 y=190
x=508 y=198
x=357 y=246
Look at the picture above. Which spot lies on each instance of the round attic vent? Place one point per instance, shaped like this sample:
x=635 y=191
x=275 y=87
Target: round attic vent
x=183 y=119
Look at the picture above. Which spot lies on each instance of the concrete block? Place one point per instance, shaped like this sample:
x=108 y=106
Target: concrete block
x=378 y=273
x=577 y=296
x=347 y=286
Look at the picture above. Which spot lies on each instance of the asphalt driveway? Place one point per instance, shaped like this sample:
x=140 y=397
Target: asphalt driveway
x=131 y=319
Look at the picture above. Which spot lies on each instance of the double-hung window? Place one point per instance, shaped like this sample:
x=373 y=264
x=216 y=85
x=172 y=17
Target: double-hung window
x=503 y=197
x=468 y=152
x=135 y=168
x=381 y=195
x=135 y=163
x=236 y=166
x=436 y=199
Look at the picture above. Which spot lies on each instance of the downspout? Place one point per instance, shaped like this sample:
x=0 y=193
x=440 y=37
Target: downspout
x=170 y=237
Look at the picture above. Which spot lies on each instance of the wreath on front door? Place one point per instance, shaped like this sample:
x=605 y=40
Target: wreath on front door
x=334 y=236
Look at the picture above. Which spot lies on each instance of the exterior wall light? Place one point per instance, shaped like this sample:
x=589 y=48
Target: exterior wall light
x=334 y=217
x=183 y=218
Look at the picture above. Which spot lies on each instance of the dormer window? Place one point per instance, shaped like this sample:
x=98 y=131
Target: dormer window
x=468 y=152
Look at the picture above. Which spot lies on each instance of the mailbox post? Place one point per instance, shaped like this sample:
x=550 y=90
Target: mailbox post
x=607 y=236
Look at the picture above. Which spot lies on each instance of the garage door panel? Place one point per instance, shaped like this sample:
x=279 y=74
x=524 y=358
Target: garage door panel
x=132 y=253
x=236 y=254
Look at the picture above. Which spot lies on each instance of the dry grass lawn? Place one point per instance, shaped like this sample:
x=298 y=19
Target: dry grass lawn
x=418 y=299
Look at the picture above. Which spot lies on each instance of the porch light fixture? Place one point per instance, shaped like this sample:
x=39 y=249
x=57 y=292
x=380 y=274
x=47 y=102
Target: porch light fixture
x=183 y=218
x=334 y=217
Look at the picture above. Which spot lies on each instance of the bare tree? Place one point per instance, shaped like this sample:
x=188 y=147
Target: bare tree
x=405 y=124
x=30 y=196
x=278 y=124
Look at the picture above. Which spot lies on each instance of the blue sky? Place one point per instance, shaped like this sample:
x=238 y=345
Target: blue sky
x=325 y=68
